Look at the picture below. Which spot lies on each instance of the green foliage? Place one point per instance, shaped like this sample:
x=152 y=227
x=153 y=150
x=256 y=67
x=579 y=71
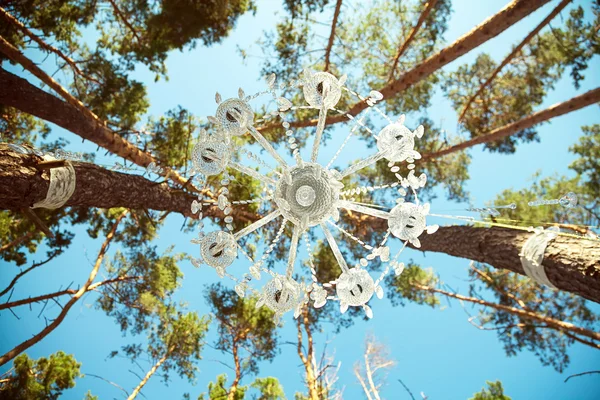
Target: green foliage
x=494 y=391
x=134 y=303
x=404 y=286
x=243 y=326
x=41 y=379
x=172 y=140
x=112 y=96
x=269 y=388
x=175 y=339
x=217 y=391
x=584 y=184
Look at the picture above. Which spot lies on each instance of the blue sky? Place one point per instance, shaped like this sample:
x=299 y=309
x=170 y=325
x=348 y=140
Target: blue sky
x=437 y=351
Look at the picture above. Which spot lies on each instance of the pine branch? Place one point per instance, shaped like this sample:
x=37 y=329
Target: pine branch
x=56 y=322
x=512 y=55
x=413 y=33
x=576 y=103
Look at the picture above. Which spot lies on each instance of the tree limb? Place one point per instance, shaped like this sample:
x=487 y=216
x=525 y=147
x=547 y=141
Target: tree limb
x=512 y=55
x=490 y=28
x=336 y=14
x=413 y=33
x=50 y=327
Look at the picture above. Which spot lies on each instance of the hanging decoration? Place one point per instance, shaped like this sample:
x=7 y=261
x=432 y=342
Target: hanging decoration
x=306 y=195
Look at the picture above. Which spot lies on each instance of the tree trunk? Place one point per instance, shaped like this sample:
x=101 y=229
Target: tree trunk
x=238 y=372
x=84 y=289
x=21 y=184
x=143 y=382
x=490 y=28
x=571 y=264
x=576 y=103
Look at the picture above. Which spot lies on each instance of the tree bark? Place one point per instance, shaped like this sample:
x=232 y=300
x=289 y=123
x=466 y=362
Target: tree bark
x=149 y=374
x=238 y=372
x=84 y=289
x=490 y=28
x=576 y=103
x=571 y=264
x=22 y=185
x=525 y=314
x=513 y=53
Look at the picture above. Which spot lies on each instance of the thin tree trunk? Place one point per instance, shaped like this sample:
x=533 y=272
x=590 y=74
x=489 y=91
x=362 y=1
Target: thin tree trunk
x=149 y=374
x=413 y=33
x=363 y=384
x=336 y=15
x=576 y=103
x=370 y=376
x=490 y=28
x=238 y=372
x=37 y=299
x=571 y=264
x=310 y=374
x=18 y=93
x=84 y=289
x=526 y=314
x=22 y=184
x=512 y=55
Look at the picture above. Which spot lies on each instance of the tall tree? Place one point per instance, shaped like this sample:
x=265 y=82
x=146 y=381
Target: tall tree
x=174 y=344
x=494 y=391
x=246 y=332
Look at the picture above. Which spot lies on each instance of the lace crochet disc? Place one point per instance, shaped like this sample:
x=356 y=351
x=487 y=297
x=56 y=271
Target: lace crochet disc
x=210 y=157
x=309 y=194
x=355 y=287
x=218 y=249
x=235 y=116
x=407 y=221
x=397 y=141
x=319 y=84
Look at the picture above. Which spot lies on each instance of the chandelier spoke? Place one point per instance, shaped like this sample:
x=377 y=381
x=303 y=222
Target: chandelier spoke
x=334 y=247
x=293 y=251
x=256 y=225
x=348 y=205
x=266 y=145
x=319 y=133
x=252 y=173
x=364 y=163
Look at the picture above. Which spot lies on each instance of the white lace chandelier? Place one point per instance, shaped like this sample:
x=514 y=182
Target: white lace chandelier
x=307 y=195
